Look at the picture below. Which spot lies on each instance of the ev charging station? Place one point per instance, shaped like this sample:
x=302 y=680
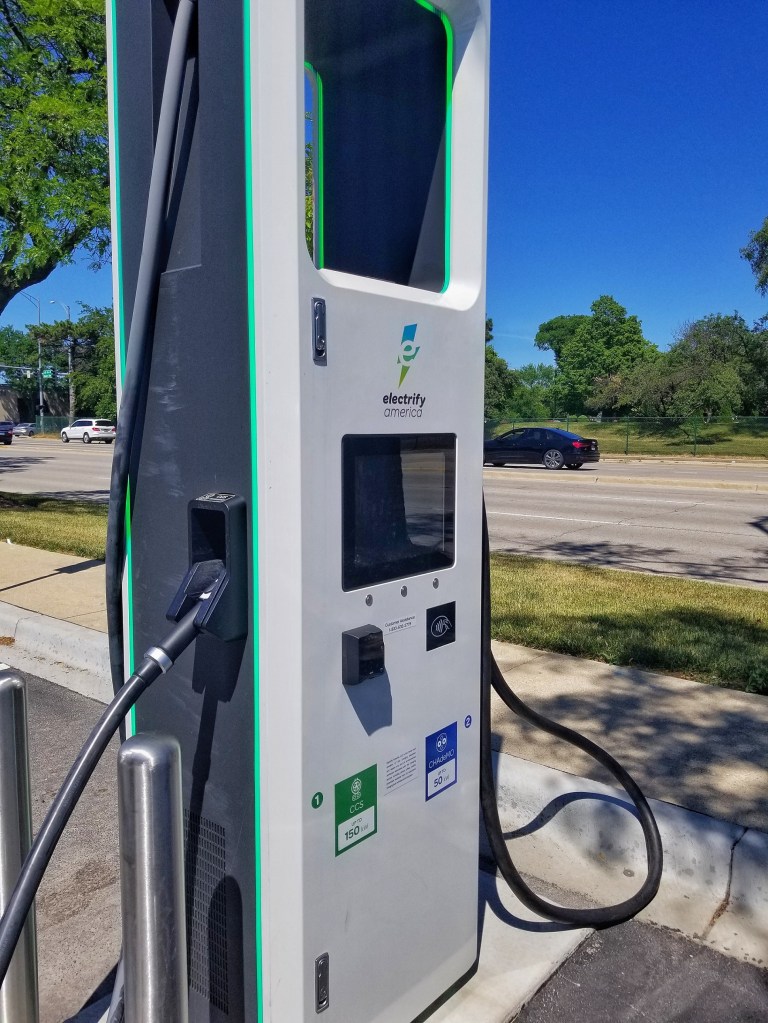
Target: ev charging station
x=312 y=416
x=299 y=205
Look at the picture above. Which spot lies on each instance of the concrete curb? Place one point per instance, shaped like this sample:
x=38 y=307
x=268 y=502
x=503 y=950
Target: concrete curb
x=70 y=655
x=578 y=835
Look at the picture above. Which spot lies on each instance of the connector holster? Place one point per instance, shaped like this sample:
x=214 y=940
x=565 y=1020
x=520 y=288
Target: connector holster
x=218 y=567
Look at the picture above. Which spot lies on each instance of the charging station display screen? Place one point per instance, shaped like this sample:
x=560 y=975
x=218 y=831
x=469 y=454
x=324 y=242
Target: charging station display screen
x=378 y=132
x=399 y=496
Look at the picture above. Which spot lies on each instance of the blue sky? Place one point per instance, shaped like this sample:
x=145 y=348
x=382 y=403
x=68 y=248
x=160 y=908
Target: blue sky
x=629 y=156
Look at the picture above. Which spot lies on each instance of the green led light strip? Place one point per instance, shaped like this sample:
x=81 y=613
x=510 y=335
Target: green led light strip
x=117 y=255
x=250 y=261
x=450 y=43
x=319 y=205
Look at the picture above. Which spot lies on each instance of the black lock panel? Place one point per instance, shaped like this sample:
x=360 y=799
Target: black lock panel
x=362 y=654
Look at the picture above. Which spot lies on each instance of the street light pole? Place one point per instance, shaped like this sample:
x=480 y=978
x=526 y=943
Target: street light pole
x=36 y=302
x=65 y=307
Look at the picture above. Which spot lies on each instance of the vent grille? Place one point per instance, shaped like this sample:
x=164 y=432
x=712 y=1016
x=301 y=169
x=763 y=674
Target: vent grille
x=206 y=868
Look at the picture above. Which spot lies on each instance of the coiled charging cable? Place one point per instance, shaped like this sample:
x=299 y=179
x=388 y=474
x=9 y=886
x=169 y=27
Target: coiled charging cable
x=493 y=679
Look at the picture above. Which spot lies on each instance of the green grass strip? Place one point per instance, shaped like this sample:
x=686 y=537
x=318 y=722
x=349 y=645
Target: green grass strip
x=69 y=527
x=704 y=631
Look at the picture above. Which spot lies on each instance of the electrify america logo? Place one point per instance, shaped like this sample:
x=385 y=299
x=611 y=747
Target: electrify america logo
x=405 y=406
x=408 y=351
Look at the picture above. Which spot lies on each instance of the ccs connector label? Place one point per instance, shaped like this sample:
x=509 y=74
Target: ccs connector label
x=356 y=799
x=441 y=750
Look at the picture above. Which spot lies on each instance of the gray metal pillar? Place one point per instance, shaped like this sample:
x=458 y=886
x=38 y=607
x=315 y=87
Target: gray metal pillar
x=18 y=995
x=152 y=878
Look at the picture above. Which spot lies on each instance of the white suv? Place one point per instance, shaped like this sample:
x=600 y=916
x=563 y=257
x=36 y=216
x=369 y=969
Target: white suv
x=88 y=430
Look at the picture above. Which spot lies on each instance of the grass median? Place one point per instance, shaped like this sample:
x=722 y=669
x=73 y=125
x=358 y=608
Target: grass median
x=70 y=527
x=704 y=631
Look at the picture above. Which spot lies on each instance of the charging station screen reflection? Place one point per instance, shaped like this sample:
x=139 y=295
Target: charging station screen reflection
x=399 y=497
x=380 y=79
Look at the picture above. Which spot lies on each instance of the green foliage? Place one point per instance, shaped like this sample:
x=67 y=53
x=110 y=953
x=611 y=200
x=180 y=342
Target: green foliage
x=19 y=349
x=91 y=340
x=557 y=332
x=716 y=366
x=756 y=254
x=500 y=381
x=533 y=397
x=606 y=344
x=54 y=193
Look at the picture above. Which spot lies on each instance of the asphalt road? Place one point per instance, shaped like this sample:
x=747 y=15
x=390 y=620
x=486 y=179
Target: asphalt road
x=705 y=532
x=74 y=470
x=701 y=520
x=638 y=972
x=78 y=904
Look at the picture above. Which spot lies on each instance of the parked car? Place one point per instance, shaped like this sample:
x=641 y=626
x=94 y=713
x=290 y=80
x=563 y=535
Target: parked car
x=555 y=449
x=6 y=431
x=88 y=430
x=24 y=430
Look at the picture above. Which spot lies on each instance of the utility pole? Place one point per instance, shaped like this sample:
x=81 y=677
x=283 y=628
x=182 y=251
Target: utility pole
x=71 y=378
x=40 y=403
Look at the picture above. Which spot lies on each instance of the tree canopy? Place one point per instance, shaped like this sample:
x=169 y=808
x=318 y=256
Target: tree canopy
x=91 y=340
x=54 y=189
x=717 y=365
x=500 y=380
x=756 y=254
x=606 y=343
x=557 y=332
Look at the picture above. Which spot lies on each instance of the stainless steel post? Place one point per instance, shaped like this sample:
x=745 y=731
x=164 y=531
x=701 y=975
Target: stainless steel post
x=152 y=878
x=18 y=994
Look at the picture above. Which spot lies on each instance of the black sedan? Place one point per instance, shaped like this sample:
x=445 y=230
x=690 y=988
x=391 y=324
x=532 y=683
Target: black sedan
x=554 y=449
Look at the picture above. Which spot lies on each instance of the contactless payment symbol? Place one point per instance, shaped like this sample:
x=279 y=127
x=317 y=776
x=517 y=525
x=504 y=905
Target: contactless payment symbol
x=441 y=625
x=441 y=755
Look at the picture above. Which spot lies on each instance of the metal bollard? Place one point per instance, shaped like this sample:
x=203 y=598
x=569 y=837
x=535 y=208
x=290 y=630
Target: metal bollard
x=152 y=880
x=18 y=994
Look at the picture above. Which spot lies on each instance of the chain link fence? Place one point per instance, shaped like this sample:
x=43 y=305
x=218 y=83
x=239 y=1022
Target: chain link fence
x=51 y=424
x=730 y=436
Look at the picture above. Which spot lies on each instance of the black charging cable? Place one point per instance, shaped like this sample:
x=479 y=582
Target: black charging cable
x=492 y=678
x=157 y=661
x=139 y=347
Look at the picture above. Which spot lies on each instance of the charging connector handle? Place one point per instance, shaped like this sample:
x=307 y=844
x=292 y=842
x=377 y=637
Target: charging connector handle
x=12 y=923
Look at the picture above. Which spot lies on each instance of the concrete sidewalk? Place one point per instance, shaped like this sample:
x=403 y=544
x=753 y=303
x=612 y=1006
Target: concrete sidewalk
x=60 y=586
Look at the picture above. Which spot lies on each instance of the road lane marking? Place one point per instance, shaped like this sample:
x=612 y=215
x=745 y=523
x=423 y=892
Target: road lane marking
x=556 y=518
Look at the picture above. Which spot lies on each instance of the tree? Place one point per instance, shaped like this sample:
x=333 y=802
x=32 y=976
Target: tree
x=756 y=254
x=557 y=332
x=54 y=187
x=500 y=381
x=19 y=350
x=605 y=344
x=707 y=361
x=716 y=366
x=533 y=396
x=92 y=342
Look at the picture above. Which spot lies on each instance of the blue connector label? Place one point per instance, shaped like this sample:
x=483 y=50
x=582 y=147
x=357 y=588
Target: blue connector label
x=441 y=760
